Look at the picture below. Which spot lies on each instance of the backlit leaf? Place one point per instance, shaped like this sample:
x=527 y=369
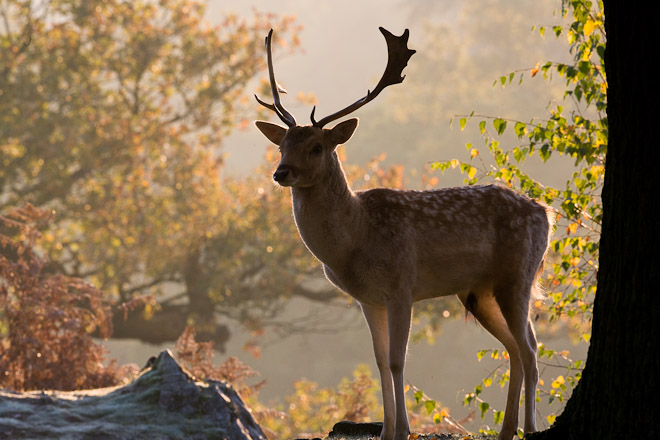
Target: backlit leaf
x=483 y=407
x=462 y=123
x=500 y=125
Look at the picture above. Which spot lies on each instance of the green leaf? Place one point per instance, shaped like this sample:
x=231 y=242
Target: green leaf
x=498 y=417
x=418 y=396
x=584 y=67
x=500 y=125
x=429 y=405
x=482 y=127
x=462 y=122
x=484 y=406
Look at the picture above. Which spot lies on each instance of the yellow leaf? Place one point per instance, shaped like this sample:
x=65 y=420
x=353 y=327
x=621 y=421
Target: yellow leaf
x=589 y=27
x=455 y=163
x=559 y=381
x=551 y=419
x=474 y=153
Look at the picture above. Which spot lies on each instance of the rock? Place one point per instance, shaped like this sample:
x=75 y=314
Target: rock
x=163 y=402
x=351 y=429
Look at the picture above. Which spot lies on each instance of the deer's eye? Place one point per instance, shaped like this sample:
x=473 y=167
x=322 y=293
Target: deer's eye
x=317 y=149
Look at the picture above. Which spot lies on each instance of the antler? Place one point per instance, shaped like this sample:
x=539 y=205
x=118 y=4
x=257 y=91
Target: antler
x=277 y=106
x=398 y=55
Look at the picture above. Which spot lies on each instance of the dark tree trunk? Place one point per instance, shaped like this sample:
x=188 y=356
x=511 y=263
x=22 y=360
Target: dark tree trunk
x=166 y=325
x=618 y=395
x=170 y=320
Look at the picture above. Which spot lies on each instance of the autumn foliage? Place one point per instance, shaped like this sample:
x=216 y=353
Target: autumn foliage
x=46 y=318
x=309 y=411
x=197 y=357
x=113 y=113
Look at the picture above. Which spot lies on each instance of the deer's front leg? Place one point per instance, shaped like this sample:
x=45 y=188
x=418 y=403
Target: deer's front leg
x=377 y=321
x=398 y=317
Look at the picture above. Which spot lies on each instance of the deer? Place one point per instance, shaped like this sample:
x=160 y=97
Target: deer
x=388 y=248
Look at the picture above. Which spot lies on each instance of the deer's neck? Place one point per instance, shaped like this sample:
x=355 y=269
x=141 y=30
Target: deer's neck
x=329 y=217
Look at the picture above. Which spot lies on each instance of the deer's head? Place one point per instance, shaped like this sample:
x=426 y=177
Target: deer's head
x=309 y=150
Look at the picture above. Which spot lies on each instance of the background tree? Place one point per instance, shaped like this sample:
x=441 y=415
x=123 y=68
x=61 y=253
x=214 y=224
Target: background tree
x=111 y=115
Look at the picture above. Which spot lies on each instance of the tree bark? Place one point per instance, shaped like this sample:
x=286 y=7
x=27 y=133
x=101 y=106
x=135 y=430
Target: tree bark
x=618 y=393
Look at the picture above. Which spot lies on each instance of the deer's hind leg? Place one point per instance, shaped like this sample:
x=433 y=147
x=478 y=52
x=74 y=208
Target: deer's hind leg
x=514 y=302
x=486 y=310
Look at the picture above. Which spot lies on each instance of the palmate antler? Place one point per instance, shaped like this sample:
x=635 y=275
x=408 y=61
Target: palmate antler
x=398 y=55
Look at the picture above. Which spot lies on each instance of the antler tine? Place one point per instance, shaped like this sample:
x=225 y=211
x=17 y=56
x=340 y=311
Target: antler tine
x=398 y=55
x=276 y=106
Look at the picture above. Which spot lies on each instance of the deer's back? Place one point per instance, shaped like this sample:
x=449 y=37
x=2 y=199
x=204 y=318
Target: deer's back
x=453 y=239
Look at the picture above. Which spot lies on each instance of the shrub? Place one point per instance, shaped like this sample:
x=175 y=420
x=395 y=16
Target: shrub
x=46 y=318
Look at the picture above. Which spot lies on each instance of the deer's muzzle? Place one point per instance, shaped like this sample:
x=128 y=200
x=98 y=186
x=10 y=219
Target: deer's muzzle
x=281 y=173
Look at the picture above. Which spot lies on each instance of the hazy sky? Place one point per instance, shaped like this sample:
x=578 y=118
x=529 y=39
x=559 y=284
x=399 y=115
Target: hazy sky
x=343 y=54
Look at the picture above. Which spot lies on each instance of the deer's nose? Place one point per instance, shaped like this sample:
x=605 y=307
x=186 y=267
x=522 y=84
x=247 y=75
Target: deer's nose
x=280 y=174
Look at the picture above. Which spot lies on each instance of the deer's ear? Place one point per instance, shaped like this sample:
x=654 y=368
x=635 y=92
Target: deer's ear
x=275 y=133
x=342 y=132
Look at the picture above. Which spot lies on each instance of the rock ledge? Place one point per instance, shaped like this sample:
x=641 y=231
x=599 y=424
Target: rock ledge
x=163 y=402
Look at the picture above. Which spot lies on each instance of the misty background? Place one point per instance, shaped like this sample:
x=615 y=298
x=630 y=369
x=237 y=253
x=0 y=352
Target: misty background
x=462 y=49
